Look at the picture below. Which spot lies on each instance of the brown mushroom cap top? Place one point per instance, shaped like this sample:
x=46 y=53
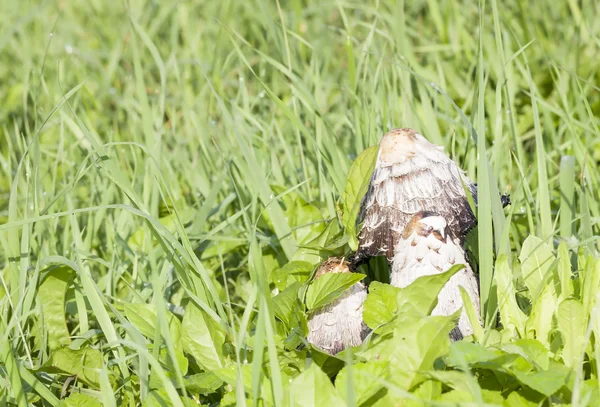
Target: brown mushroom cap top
x=333 y=265
x=398 y=145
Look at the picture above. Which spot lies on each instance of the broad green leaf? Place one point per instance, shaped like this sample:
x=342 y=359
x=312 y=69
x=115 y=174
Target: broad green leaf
x=420 y=298
x=491 y=398
x=595 y=325
x=391 y=398
x=288 y=310
x=203 y=338
x=531 y=350
x=413 y=301
x=589 y=393
x=454 y=379
x=169 y=368
x=545 y=382
x=364 y=378
x=537 y=262
x=572 y=325
x=286 y=304
x=591 y=285
x=312 y=388
x=514 y=399
x=429 y=390
x=380 y=305
x=290 y=273
x=471 y=354
x=203 y=383
x=144 y=318
x=85 y=363
x=317 y=249
x=305 y=219
x=328 y=287
x=564 y=272
x=51 y=296
x=357 y=184
x=511 y=316
x=413 y=348
x=158 y=398
x=540 y=322
x=80 y=400
x=329 y=364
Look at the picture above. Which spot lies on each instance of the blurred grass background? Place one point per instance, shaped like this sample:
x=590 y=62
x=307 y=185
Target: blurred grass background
x=142 y=135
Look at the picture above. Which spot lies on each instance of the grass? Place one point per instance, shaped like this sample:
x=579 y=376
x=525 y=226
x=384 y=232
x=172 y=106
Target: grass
x=171 y=173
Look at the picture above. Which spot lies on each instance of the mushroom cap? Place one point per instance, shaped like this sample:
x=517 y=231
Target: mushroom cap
x=339 y=324
x=333 y=265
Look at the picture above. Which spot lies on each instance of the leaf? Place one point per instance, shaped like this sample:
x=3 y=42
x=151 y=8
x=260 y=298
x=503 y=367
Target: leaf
x=364 y=378
x=292 y=323
x=51 y=296
x=491 y=398
x=536 y=264
x=413 y=348
x=511 y=316
x=80 y=400
x=572 y=325
x=229 y=375
x=469 y=308
x=454 y=379
x=591 y=282
x=531 y=350
x=203 y=383
x=203 y=338
x=328 y=287
x=85 y=363
x=545 y=382
x=169 y=368
x=144 y=318
x=158 y=398
x=137 y=240
x=514 y=399
x=589 y=392
x=564 y=271
x=539 y=324
x=290 y=273
x=419 y=298
x=357 y=183
x=414 y=301
x=380 y=305
x=471 y=354
x=286 y=304
x=429 y=390
x=305 y=219
x=312 y=388
x=313 y=251
x=329 y=364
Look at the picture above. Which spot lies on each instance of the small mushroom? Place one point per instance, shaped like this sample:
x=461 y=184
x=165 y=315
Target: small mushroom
x=426 y=247
x=339 y=324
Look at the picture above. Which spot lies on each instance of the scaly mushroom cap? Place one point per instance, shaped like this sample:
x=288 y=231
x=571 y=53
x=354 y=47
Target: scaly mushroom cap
x=332 y=265
x=424 y=248
x=411 y=175
x=339 y=324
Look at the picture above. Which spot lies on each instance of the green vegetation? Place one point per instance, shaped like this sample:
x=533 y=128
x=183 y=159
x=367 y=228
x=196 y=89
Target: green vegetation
x=171 y=173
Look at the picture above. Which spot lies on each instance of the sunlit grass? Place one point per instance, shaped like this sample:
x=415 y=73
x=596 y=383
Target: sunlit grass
x=177 y=156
